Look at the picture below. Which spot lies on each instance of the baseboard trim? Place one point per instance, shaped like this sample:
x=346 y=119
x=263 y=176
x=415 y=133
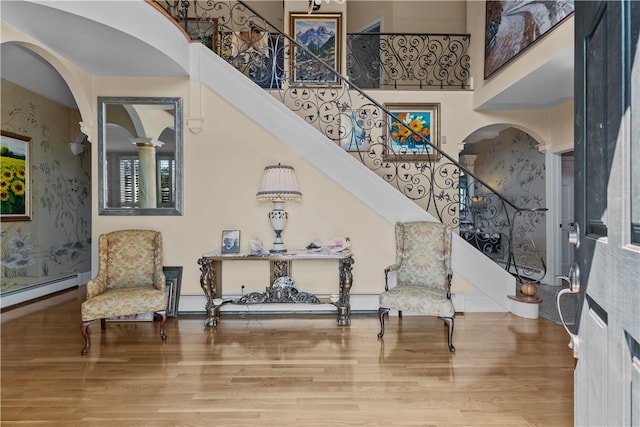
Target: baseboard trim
x=38 y=290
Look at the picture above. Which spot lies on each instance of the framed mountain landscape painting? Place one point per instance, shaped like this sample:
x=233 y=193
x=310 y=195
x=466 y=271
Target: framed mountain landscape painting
x=316 y=36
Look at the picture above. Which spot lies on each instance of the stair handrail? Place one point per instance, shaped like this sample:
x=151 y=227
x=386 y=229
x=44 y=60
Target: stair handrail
x=178 y=10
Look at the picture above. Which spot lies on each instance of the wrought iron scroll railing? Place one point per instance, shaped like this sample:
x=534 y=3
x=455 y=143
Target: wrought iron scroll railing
x=401 y=148
x=408 y=61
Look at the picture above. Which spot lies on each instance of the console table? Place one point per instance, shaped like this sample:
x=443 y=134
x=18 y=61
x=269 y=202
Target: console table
x=281 y=288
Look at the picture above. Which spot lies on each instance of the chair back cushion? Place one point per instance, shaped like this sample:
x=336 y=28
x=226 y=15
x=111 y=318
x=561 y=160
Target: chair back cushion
x=131 y=257
x=423 y=251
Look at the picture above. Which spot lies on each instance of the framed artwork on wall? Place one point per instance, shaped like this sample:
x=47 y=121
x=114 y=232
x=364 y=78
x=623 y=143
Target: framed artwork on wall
x=15 y=163
x=401 y=142
x=203 y=30
x=257 y=54
x=356 y=130
x=173 y=283
x=230 y=241
x=321 y=35
x=511 y=27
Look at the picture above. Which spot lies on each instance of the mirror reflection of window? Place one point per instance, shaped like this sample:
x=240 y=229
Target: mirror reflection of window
x=462 y=186
x=129 y=182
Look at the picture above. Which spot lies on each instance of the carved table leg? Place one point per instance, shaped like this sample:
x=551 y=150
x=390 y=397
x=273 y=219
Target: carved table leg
x=346 y=281
x=208 y=285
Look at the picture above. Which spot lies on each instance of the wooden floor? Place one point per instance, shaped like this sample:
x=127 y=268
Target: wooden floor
x=282 y=371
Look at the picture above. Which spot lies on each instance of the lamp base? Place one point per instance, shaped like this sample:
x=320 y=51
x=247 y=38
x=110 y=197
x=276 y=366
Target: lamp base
x=278 y=244
x=278 y=217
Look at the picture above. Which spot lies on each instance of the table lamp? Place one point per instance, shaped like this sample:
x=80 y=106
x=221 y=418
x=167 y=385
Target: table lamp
x=278 y=184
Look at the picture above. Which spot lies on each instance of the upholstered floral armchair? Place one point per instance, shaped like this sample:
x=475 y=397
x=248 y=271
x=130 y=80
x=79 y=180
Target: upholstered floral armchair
x=129 y=281
x=423 y=268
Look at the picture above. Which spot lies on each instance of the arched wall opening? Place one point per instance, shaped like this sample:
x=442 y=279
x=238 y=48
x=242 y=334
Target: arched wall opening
x=505 y=158
x=52 y=250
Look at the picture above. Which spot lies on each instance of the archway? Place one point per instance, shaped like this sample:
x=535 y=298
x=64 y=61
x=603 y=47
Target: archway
x=511 y=227
x=52 y=251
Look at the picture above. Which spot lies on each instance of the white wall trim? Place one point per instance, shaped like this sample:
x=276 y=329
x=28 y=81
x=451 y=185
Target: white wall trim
x=553 y=191
x=8 y=299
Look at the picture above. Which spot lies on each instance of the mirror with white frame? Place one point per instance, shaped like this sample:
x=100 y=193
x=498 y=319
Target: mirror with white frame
x=140 y=156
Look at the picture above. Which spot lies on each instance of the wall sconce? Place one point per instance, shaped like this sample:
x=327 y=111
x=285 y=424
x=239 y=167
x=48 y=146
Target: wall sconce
x=278 y=184
x=78 y=146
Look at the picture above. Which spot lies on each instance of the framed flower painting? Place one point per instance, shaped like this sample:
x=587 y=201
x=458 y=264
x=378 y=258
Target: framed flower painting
x=413 y=130
x=15 y=182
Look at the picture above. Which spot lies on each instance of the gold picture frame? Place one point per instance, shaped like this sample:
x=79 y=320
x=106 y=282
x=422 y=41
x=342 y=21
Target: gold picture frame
x=408 y=127
x=320 y=33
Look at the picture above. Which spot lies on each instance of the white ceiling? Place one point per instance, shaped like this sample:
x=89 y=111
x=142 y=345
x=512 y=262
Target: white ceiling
x=24 y=68
x=99 y=50
x=546 y=87
x=104 y=51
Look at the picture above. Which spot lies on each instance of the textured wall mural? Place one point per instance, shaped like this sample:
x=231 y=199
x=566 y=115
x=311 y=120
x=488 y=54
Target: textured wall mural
x=57 y=241
x=512 y=164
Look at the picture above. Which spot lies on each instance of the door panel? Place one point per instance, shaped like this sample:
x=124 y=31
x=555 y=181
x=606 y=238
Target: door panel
x=606 y=198
x=567 y=212
x=594 y=362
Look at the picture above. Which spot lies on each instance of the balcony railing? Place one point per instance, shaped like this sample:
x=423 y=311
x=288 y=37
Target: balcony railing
x=408 y=61
x=403 y=149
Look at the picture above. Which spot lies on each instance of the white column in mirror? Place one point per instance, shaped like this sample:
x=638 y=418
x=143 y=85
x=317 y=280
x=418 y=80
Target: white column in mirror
x=147 y=171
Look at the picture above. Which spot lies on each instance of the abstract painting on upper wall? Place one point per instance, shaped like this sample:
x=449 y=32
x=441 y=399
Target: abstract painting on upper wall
x=512 y=26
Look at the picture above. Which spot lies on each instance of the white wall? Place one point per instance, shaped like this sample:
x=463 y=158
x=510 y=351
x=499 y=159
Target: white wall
x=223 y=166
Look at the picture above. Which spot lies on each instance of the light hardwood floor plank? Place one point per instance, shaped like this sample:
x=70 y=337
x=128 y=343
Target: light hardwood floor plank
x=284 y=370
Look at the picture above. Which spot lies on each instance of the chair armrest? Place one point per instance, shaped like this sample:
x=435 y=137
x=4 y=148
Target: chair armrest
x=388 y=270
x=96 y=286
x=159 y=280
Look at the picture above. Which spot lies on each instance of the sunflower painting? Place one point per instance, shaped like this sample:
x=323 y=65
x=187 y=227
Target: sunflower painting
x=413 y=131
x=15 y=167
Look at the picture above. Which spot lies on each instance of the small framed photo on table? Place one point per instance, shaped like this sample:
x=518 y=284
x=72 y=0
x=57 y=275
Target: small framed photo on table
x=230 y=241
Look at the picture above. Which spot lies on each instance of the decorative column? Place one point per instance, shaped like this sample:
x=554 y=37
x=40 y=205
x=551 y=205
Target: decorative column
x=147 y=182
x=469 y=162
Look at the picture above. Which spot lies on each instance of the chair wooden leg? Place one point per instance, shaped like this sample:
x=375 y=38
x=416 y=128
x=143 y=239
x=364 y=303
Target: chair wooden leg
x=163 y=314
x=84 y=330
x=381 y=312
x=103 y=324
x=449 y=322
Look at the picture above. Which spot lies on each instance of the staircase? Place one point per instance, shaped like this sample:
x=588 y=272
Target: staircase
x=404 y=184
x=425 y=178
